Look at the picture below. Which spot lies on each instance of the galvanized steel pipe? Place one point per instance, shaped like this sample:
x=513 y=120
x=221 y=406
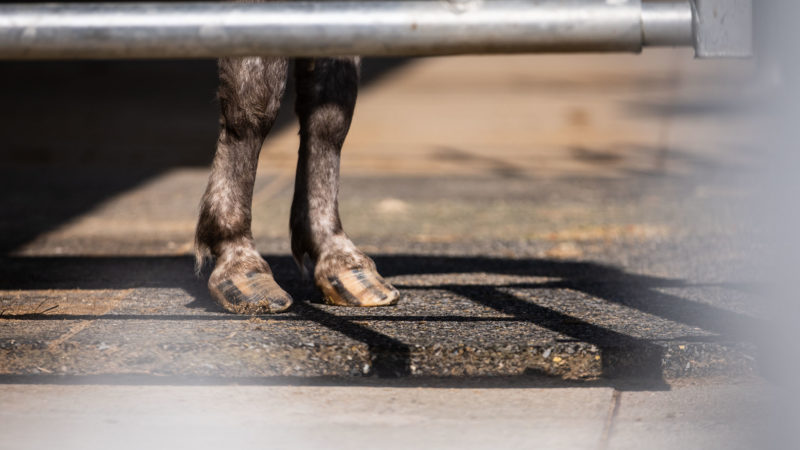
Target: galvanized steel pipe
x=667 y=23
x=329 y=28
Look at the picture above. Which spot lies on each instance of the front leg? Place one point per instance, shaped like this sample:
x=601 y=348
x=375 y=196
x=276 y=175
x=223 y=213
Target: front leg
x=326 y=96
x=250 y=90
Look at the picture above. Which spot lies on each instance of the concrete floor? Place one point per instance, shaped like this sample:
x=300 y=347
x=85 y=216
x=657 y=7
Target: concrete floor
x=566 y=232
x=707 y=416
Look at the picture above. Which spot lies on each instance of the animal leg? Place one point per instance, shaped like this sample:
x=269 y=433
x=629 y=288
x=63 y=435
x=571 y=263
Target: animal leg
x=326 y=96
x=250 y=90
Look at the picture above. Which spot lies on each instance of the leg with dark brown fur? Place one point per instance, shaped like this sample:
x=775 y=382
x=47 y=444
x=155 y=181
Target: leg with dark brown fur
x=326 y=96
x=250 y=90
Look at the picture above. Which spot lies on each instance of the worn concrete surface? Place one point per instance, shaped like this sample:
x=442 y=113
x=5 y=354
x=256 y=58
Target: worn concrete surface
x=560 y=216
x=707 y=416
x=606 y=294
x=126 y=417
x=696 y=415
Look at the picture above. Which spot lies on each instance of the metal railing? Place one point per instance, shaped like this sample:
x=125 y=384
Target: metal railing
x=371 y=28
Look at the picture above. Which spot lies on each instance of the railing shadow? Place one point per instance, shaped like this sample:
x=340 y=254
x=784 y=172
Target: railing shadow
x=625 y=357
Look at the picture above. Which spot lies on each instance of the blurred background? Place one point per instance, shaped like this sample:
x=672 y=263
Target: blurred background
x=92 y=130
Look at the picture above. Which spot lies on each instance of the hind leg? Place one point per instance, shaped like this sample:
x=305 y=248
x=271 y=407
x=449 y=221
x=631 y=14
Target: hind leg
x=326 y=95
x=250 y=90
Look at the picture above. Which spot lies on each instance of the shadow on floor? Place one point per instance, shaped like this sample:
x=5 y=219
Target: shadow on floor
x=76 y=133
x=152 y=114
x=625 y=357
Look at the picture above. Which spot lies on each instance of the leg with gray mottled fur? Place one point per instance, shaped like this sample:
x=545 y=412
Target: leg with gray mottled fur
x=326 y=96
x=250 y=90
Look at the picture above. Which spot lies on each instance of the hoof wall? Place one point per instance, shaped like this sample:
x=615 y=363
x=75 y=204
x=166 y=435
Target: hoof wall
x=358 y=287
x=252 y=293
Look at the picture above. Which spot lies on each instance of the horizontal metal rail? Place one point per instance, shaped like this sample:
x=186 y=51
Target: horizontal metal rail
x=330 y=28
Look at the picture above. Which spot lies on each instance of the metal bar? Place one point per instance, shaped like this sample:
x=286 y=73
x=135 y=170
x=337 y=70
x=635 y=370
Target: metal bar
x=330 y=28
x=667 y=23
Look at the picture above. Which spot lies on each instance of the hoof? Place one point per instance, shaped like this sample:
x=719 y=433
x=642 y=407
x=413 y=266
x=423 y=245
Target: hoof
x=252 y=293
x=358 y=287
